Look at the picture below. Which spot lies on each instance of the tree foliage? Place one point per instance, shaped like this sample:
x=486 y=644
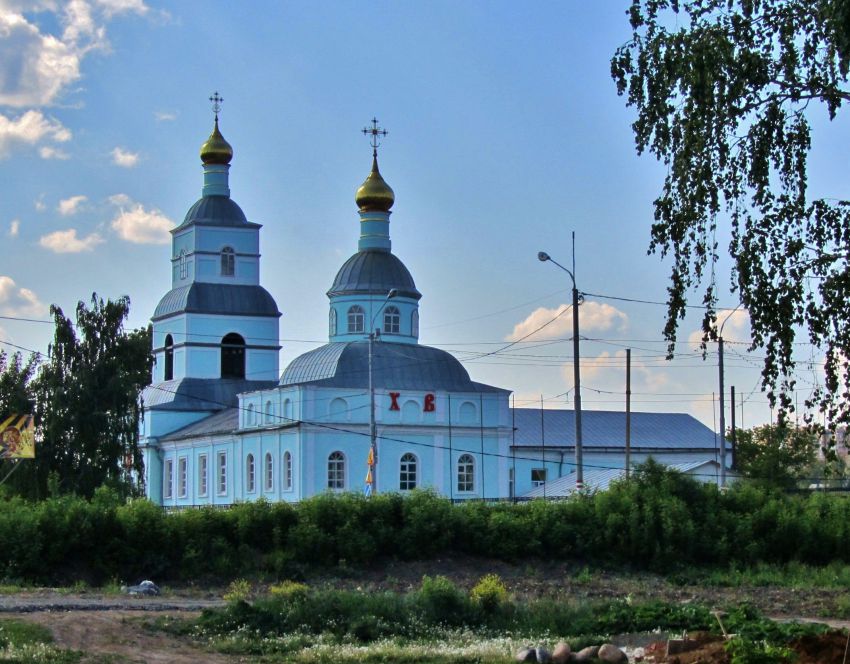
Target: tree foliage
x=725 y=91
x=85 y=398
x=776 y=456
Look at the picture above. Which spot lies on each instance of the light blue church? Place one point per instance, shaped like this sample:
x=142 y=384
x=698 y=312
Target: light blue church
x=221 y=424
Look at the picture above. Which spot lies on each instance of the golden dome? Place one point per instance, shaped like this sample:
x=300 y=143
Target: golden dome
x=216 y=150
x=374 y=195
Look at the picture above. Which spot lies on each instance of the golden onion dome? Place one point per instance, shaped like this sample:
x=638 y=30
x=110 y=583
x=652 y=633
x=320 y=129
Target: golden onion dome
x=216 y=150
x=374 y=195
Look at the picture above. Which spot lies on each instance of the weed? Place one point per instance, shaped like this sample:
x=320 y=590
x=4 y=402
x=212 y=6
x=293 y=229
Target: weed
x=238 y=591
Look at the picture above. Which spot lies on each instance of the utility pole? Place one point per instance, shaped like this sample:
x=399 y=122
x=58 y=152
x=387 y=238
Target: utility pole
x=734 y=434
x=628 y=411
x=722 y=417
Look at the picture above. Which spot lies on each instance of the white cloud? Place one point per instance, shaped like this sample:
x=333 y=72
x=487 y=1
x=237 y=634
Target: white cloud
x=736 y=328
x=49 y=152
x=67 y=242
x=30 y=128
x=164 y=116
x=37 y=67
x=69 y=206
x=592 y=316
x=134 y=223
x=14 y=228
x=40 y=205
x=16 y=301
x=124 y=158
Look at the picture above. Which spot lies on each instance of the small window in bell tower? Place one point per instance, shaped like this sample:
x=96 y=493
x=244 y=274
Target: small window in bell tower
x=233 y=356
x=228 y=262
x=169 y=358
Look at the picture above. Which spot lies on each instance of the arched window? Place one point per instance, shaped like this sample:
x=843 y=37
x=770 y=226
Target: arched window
x=249 y=418
x=356 y=320
x=169 y=357
x=228 y=262
x=414 y=323
x=287 y=471
x=269 y=412
x=336 y=471
x=250 y=484
x=233 y=356
x=269 y=474
x=332 y=322
x=392 y=320
x=466 y=473
x=407 y=472
x=287 y=411
x=184 y=266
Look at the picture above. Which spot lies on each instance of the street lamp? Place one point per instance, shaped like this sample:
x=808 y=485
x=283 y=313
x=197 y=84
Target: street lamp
x=373 y=432
x=722 y=400
x=543 y=257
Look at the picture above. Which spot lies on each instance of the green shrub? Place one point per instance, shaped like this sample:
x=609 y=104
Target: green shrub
x=489 y=593
x=238 y=591
x=441 y=602
x=291 y=591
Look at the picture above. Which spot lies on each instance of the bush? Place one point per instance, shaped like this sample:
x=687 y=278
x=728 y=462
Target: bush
x=290 y=591
x=489 y=593
x=441 y=602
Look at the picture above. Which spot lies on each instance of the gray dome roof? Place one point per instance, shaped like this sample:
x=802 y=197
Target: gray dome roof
x=215 y=211
x=373 y=272
x=224 y=299
x=394 y=366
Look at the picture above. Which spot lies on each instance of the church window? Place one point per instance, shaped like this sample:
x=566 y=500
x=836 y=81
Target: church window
x=228 y=262
x=169 y=357
x=233 y=356
x=168 y=480
x=336 y=471
x=250 y=416
x=287 y=471
x=332 y=322
x=511 y=488
x=249 y=474
x=407 y=472
x=269 y=472
x=184 y=266
x=466 y=473
x=538 y=476
x=202 y=475
x=392 y=320
x=182 y=478
x=222 y=473
x=414 y=323
x=287 y=411
x=269 y=412
x=356 y=320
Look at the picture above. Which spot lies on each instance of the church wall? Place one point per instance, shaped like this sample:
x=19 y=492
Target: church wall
x=205 y=361
x=209 y=242
x=372 y=305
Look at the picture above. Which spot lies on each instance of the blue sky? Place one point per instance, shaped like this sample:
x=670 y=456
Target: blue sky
x=505 y=135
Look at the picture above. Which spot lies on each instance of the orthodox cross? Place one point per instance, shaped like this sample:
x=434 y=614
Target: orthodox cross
x=216 y=100
x=374 y=132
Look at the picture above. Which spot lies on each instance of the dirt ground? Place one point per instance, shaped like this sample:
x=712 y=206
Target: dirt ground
x=111 y=628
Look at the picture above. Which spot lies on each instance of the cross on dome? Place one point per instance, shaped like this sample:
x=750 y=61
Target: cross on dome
x=373 y=133
x=216 y=100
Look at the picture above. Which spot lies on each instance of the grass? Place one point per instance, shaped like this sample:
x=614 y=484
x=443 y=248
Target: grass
x=790 y=575
x=26 y=643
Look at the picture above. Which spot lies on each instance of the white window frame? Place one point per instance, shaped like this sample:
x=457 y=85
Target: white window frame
x=414 y=323
x=203 y=475
x=332 y=322
x=168 y=479
x=336 y=471
x=268 y=468
x=408 y=472
x=182 y=477
x=538 y=482
x=392 y=320
x=356 y=319
x=466 y=480
x=228 y=262
x=287 y=471
x=221 y=477
x=250 y=474
x=184 y=266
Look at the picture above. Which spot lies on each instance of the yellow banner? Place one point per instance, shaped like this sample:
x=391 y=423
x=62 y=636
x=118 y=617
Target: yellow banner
x=17 y=437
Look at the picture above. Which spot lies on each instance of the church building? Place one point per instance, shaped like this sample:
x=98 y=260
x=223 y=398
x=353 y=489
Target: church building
x=372 y=410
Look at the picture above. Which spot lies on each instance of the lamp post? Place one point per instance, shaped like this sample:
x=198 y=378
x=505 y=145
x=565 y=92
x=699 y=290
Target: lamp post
x=373 y=431
x=543 y=257
x=722 y=400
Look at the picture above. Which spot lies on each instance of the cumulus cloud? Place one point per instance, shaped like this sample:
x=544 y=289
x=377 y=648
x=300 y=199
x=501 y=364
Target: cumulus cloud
x=37 y=66
x=30 y=129
x=608 y=371
x=164 y=116
x=136 y=224
x=124 y=158
x=49 y=152
x=67 y=242
x=69 y=206
x=17 y=301
x=593 y=316
x=14 y=228
x=736 y=328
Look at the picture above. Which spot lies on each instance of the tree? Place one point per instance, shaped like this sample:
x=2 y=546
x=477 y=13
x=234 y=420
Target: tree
x=15 y=378
x=87 y=399
x=724 y=92
x=776 y=455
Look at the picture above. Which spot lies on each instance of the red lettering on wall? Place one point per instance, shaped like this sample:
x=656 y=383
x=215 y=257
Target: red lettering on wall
x=430 y=406
x=394 y=396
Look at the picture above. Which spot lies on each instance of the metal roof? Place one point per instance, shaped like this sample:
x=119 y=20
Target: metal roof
x=394 y=366
x=373 y=271
x=215 y=211
x=599 y=479
x=605 y=428
x=225 y=299
x=190 y=394
x=223 y=422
